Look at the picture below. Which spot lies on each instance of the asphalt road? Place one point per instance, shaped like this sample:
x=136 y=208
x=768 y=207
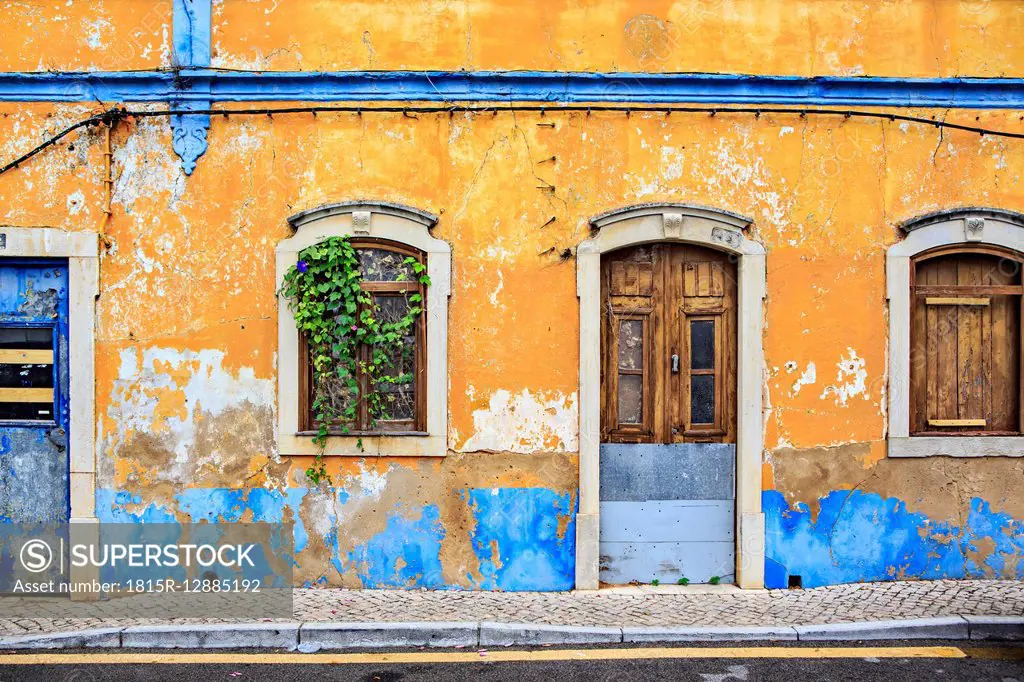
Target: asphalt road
x=921 y=663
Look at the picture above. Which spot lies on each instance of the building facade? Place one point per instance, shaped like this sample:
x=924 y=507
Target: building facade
x=715 y=291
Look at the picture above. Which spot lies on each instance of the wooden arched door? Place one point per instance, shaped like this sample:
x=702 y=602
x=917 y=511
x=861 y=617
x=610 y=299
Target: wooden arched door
x=668 y=413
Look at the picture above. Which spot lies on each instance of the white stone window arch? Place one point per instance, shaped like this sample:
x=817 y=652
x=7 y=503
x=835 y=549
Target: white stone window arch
x=717 y=229
x=961 y=226
x=396 y=223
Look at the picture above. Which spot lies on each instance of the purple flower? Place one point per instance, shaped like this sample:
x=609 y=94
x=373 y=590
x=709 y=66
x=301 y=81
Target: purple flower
x=302 y=266
x=355 y=328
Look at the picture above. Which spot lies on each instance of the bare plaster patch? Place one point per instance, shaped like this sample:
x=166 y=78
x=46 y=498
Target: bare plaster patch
x=147 y=167
x=526 y=422
x=186 y=416
x=851 y=379
x=941 y=488
x=809 y=376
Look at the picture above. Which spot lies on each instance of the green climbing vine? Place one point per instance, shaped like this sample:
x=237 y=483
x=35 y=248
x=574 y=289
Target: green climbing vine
x=338 y=318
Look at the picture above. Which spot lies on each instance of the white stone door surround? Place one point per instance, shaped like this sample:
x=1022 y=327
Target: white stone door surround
x=686 y=223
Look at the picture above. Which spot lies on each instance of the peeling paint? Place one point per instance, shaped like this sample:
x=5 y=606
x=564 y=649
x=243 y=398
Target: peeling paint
x=851 y=379
x=182 y=416
x=809 y=376
x=147 y=168
x=525 y=422
x=405 y=554
x=859 y=536
x=524 y=538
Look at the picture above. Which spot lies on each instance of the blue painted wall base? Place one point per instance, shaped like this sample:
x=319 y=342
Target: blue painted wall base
x=861 y=537
x=522 y=538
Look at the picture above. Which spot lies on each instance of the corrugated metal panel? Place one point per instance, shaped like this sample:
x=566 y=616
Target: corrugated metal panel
x=683 y=471
x=668 y=521
x=624 y=562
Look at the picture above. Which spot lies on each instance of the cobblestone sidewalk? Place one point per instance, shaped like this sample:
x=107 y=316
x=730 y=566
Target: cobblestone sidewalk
x=632 y=606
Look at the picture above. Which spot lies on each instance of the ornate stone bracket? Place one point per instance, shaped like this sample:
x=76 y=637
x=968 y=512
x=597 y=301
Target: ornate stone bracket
x=189 y=131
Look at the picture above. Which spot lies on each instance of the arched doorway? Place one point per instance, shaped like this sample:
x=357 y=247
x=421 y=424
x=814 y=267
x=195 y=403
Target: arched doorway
x=710 y=229
x=668 y=414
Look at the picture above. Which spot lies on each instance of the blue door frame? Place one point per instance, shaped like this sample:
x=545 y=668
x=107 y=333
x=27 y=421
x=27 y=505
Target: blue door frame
x=34 y=447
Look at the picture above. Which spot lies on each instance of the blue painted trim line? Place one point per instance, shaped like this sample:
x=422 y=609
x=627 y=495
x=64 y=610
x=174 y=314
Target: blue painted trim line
x=514 y=86
x=192 y=31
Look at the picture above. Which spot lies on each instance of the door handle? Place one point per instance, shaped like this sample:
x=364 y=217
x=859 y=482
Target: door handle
x=59 y=437
x=675 y=364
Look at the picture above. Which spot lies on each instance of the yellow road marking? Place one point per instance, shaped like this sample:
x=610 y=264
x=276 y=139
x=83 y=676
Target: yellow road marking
x=994 y=654
x=499 y=656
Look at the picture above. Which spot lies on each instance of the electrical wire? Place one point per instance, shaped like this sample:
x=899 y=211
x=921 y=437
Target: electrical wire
x=113 y=116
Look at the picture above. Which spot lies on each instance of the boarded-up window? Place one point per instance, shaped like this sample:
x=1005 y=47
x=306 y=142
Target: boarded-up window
x=391 y=282
x=966 y=342
x=27 y=376
x=669 y=338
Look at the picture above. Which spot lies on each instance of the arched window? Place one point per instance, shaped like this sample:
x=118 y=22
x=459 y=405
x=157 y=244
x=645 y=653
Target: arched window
x=955 y=295
x=413 y=420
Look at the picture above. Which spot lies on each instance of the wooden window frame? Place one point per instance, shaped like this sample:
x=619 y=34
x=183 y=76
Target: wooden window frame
x=413 y=427
x=939 y=295
x=623 y=431
x=714 y=428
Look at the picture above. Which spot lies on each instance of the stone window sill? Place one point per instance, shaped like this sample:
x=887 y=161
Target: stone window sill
x=952 y=446
x=372 y=446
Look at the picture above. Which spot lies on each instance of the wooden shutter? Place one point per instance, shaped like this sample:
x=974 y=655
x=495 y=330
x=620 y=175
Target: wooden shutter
x=966 y=343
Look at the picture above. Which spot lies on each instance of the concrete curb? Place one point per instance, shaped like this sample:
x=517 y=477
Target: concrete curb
x=951 y=627
x=1007 y=628
x=708 y=634
x=310 y=637
x=220 y=636
x=315 y=636
x=107 y=638
x=509 y=634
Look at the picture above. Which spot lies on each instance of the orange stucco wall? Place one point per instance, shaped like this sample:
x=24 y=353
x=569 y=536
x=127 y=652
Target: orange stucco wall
x=108 y=35
x=805 y=37
x=186 y=318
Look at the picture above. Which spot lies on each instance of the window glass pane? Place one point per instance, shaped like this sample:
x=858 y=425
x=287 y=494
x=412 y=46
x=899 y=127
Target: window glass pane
x=336 y=391
x=398 y=390
x=26 y=373
x=631 y=344
x=39 y=338
x=398 y=387
x=26 y=376
x=27 y=411
x=702 y=344
x=631 y=399
x=702 y=399
x=381 y=265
